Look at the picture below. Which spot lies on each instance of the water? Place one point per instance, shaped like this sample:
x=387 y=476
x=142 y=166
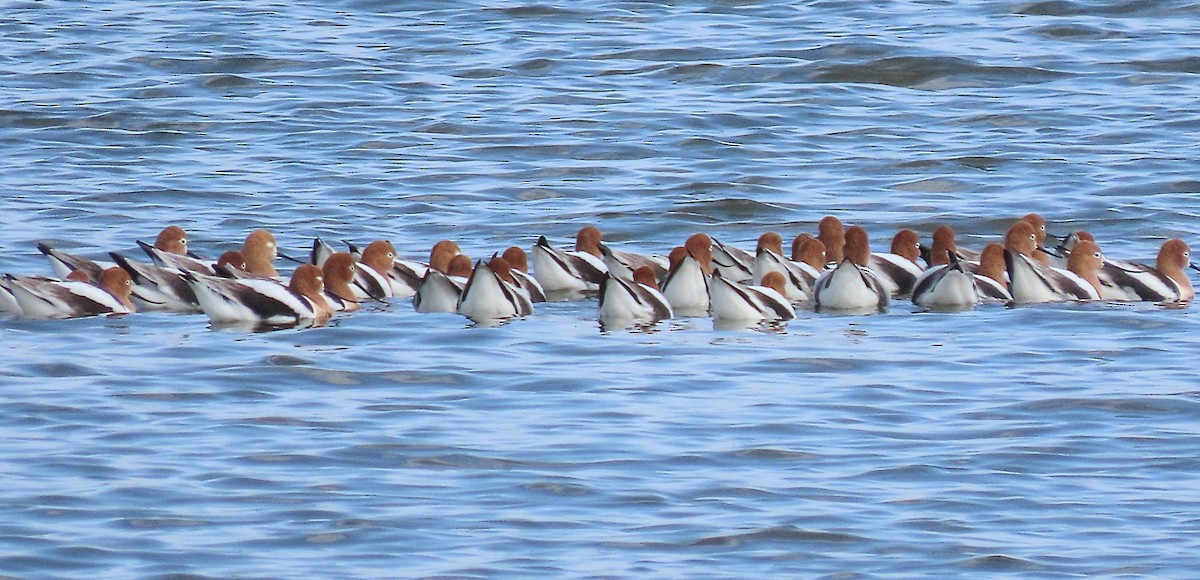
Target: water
x=1055 y=440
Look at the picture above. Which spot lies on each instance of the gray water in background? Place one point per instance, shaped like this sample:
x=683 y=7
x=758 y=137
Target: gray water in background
x=1056 y=440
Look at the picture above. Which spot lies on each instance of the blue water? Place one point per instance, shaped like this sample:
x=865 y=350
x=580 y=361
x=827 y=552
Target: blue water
x=1050 y=441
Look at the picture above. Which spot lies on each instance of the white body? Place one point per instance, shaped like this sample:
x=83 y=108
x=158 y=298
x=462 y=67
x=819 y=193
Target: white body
x=487 y=297
x=686 y=288
x=736 y=301
x=849 y=287
x=438 y=292
x=156 y=288
x=562 y=271
x=627 y=301
x=1130 y=281
x=43 y=298
x=945 y=287
x=249 y=300
x=1032 y=282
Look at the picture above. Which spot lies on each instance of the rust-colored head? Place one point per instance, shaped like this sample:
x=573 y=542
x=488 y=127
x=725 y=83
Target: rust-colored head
x=260 y=251
x=309 y=282
x=338 y=270
x=699 y=246
x=232 y=259
x=812 y=252
x=172 y=239
x=832 y=233
x=1039 y=226
x=858 y=246
x=774 y=281
x=517 y=259
x=460 y=265
x=645 y=276
x=797 y=243
x=379 y=255
x=678 y=253
x=79 y=276
x=1086 y=261
x=1039 y=231
x=907 y=244
x=1173 y=255
x=440 y=255
x=1173 y=258
x=943 y=246
x=1021 y=238
x=588 y=240
x=502 y=269
x=770 y=241
x=991 y=264
x=118 y=283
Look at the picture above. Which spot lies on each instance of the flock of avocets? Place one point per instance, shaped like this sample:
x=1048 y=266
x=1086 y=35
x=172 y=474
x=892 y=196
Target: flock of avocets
x=832 y=271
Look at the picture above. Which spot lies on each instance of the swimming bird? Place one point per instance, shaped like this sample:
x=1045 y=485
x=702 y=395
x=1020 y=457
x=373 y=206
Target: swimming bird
x=411 y=273
x=491 y=293
x=946 y=286
x=851 y=285
x=263 y=300
x=1167 y=281
x=899 y=269
x=36 y=297
x=339 y=270
x=439 y=291
x=809 y=250
x=372 y=274
x=1041 y=255
x=171 y=239
x=1031 y=281
x=732 y=300
x=1086 y=262
x=590 y=240
x=943 y=244
x=798 y=276
x=566 y=271
x=157 y=288
x=832 y=233
x=518 y=263
x=231 y=264
x=632 y=301
x=953 y=285
x=1173 y=258
x=686 y=285
x=259 y=250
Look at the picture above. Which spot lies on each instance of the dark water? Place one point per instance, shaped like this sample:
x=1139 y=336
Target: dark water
x=1039 y=441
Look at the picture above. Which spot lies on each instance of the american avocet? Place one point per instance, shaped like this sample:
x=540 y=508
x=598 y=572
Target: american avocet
x=899 y=269
x=732 y=300
x=1031 y=281
x=263 y=300
x=798 y=276
x=632 y=301
x=491 y=294
x=686 y=285
x=851 y=285
x=39 y=298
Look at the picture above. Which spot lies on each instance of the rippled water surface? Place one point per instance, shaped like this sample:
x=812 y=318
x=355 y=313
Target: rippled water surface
x=1057 y=440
